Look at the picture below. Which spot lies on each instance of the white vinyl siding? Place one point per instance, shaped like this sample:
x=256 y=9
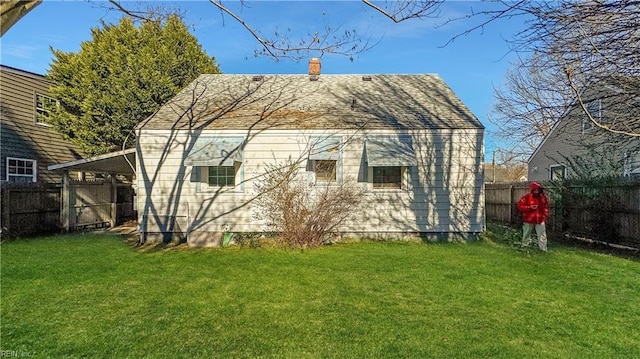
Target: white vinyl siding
x=443 y=193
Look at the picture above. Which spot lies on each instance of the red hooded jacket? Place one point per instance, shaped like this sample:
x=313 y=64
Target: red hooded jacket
x=527 y=205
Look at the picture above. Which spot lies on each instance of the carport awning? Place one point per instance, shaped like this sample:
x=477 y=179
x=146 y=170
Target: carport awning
x=215 y=152
x=119 y=162
x=383 y=152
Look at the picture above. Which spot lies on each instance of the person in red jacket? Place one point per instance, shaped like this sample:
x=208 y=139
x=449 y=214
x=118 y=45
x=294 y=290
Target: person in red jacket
x=534 y=207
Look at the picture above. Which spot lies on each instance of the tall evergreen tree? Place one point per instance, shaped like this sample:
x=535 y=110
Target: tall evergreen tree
x=120 y=77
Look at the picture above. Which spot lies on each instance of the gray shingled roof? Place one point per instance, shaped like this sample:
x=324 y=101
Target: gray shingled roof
x=326 y=101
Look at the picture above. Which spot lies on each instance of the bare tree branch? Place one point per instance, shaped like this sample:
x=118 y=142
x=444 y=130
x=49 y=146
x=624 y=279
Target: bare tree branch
x=583 y=106
x=399 y=11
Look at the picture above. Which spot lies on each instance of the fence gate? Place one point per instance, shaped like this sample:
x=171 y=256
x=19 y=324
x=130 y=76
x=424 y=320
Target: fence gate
x=90 y=204
x=94 y=203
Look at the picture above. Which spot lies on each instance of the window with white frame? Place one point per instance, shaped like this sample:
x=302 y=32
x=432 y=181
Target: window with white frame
x=21 y=170
x=44 y=106
x=557 y=172
x=325 y=170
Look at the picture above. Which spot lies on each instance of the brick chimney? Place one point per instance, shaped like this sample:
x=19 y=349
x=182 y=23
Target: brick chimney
x=314 y=67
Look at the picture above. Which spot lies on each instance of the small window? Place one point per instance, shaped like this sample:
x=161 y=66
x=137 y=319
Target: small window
x=21 y=170
x=222 y=176
x=387 y=177
x=325 y=170
x=557 y=172
x=632 y=163
x=595 y=111
x=44 y=106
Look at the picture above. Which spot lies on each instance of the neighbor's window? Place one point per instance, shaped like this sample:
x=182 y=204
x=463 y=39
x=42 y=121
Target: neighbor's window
x=595 y=111
x=222 y=176
x=557 y=172
x=44 y=106
x=387 y=177
x=21 y=170
x=325 y=170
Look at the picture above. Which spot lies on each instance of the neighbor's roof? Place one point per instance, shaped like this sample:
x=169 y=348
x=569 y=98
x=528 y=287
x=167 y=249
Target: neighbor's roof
x=302 y=101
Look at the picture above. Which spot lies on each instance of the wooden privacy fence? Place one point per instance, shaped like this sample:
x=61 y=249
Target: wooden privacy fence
x=609 y=213
x=30 y=209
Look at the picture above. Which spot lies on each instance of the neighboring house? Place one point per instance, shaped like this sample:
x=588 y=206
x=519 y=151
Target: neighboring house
x=576 y=147
x=28 y=144
x=406 y=140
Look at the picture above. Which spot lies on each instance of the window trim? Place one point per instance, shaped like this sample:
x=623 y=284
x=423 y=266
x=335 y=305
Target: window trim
x=554 y=166
x=37 y=109
x=34 y=175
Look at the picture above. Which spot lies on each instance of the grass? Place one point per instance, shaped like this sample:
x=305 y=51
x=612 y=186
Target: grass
x=94 y=295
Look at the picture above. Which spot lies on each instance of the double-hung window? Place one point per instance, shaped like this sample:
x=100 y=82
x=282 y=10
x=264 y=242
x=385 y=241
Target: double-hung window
x=21 y=170
x=44 y=106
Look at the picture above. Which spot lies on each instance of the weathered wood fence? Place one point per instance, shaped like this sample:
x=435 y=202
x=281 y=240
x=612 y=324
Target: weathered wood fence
x=608 y=213
x=30 y=208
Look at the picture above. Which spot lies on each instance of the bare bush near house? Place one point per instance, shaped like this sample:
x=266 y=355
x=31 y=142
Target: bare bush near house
x=304 y=215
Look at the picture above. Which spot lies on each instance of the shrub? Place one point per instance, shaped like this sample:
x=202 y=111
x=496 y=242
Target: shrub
x=305 y=215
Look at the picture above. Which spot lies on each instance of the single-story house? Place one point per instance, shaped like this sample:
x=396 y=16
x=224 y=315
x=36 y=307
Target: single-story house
x=410 y=143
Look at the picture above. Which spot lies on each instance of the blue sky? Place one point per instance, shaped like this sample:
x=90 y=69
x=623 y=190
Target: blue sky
x=471 y=65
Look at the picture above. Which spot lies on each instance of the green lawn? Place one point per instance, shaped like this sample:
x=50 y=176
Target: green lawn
x=94 y=295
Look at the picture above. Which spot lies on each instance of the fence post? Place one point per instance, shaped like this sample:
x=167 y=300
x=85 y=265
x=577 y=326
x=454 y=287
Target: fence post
x=114 y=201
x=65 y=204
x=6 y=209
x=510 y=204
